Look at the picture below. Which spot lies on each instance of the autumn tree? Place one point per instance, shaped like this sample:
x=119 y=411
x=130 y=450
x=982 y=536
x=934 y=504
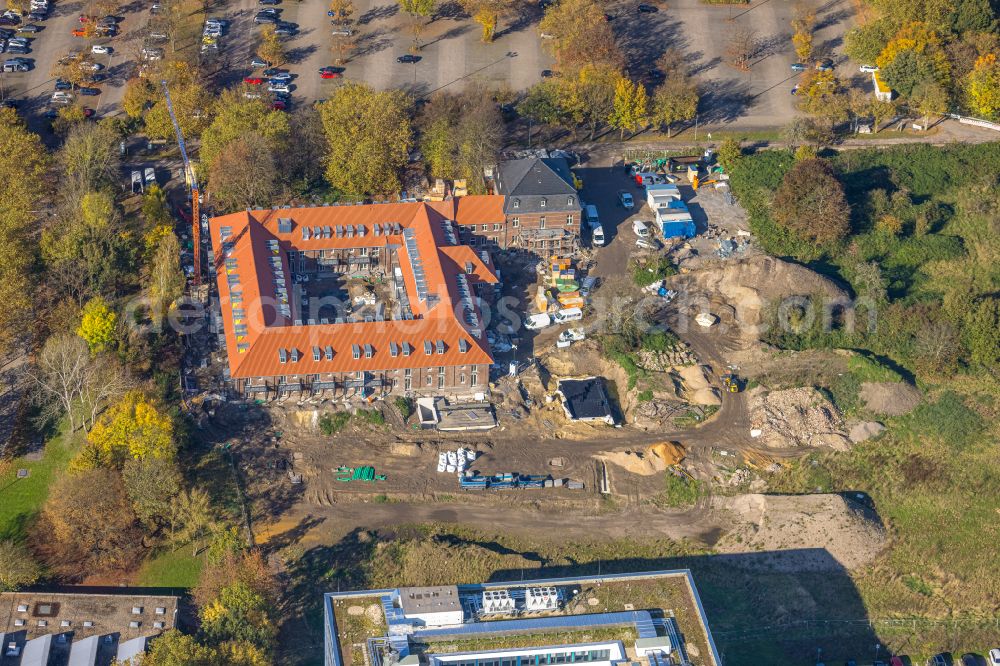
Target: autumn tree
x=864 y=43
x=461 y=135
x=90 y=161
x=541 y=105
x=98 y=323
x=166 y=279
x=87 y=524
x=133 y=428
x=914 y=56
x=172 y=648
x=245 y=175
x=579 y=35
x=822 y=96
x=73 y=68
x=191 y=101
x=271 y=48
x=931 y=99
x=418 y=10
x=729 y=154
x=676 y=100
x=810 y=202
x=741 y=45
x=342 y=10
x=236 y=599
x=191 y=517
x=18 y=567
x=23 y=164
x=60 y=373
x=488 y=13
x=982 y=87
x=630 y=106
x=369 y=137
x=301 y=155
x=155 y=212
x=236 y=117
x=151 y=485
x=589 y=98
x=802 y=25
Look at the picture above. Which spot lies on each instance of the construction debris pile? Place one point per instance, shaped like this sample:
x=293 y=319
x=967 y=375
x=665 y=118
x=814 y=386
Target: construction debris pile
x=455 y=461
x=679 y=354
x=796 y=417
x=653 y=459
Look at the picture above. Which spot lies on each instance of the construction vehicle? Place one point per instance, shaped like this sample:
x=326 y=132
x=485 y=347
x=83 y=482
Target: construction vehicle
x=192 y=183
x=731 y=382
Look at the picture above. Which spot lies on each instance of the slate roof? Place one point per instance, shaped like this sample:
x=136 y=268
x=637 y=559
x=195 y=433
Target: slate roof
x=585 y=399
x=532 y=179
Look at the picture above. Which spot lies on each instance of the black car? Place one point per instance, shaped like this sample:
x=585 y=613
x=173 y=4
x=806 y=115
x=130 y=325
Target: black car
x=63 y=85
x=6 y=33
x=31 y=27
x=648 y=9
x=272 y=71
x=285 y=30
x=268 y=2
x=89 y=92
x=51 y=113
x=37 y=16
x=9 y=20
x=408 y=58
x=18 y=49
x=269 y=11
x=266 y=18
x=9 y=103
x=109 y=20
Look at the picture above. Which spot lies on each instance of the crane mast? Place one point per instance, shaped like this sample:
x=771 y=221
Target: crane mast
x=193 y=185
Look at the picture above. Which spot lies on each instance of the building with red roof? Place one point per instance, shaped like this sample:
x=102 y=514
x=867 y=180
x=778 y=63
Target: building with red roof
x=355 y=300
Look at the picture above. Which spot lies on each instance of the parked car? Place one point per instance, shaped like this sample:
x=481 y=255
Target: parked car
x=30 y=28
x=537 y=321
x=16 y=65
x=253 y=80
x=329 y=73
x=795 y=89
x=625 y=199
x=37 y=16
x=994 y=657
x=408 y=58
x=149 y=176
x=92 y=66
x=136 y=182
x=640 y=229
x=259 y=63
x=279 y=105
x=63 y=85
x=88 y=112
x=969 y=659
x=78 y=32
x=286 y=30
x=89 y=92
x=278 y=76
x=567 y=314
x=19 y=49
x=824 y=65
x=278 y=87
x=343 y=32
x=7 y=33
x=938 y=660
x=648 y=9
x=156 y=9
x=868 y=69
x=269 y=11
x=60 y=97
x=648 y=244
x=158 y=36
x=101 y=49
x=268 y=2
x=152 y=53
x=798 y=67
x=261 y=19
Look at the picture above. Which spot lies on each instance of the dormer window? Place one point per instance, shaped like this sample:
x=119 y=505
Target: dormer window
x=516 y=203
x=569 y=201
x=542 y=203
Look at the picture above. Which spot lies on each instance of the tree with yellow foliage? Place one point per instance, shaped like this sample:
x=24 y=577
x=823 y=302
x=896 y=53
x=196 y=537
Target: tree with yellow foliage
x=914 y=56
x=135 y=427
x=802 y=38
x=982 y=87
x=630 y=106
x=98 y=324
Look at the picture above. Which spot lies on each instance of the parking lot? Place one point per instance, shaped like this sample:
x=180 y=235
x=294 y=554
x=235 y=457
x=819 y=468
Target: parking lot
x=33 y=89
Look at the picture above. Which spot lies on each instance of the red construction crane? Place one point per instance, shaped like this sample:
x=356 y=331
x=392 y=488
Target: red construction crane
x=192 y=182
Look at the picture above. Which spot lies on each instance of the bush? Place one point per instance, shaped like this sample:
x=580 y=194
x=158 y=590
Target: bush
x=404 y=405
x=948 y=419
x=645 y=396
x=372 y=417
x=681 y=490
x=331 y=424
x=647 y=272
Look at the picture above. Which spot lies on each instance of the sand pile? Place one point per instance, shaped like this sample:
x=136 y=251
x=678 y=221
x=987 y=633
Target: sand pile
x=697 y=387
x=796 y=417
x=651 y=460
x=890 y=398
x=849 y=532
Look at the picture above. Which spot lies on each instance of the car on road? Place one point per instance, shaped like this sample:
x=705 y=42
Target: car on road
x=62 y=84
x=101 y=49
x=798 y=67
x=259 y=63
x=329 y=73
x=648 y=9
x=253 y=80
x=278 y=87
x=89 y=92
x=261 y=19
x=824 y=65
x=277 y=76
x=408 y=58
x=30 y=28
x=868 y=69
x=342 y=32
x=16 y=65
x=625 y=199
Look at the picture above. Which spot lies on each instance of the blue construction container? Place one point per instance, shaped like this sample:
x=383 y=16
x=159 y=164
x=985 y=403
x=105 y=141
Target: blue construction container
x=678 y=228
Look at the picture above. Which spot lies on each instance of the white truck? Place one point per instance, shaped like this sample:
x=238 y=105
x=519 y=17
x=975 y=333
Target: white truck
x=594 y=222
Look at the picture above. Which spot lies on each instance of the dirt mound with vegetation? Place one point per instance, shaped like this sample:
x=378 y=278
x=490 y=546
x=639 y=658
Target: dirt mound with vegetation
x=889 y=398
x=750 y=285
x=850 y=532
x=796 y=417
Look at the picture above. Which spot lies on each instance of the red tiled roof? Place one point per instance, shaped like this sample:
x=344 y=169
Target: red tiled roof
x=441 y=316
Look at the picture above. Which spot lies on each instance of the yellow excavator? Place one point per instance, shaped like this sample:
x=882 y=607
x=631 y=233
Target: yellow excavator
x=731 y=382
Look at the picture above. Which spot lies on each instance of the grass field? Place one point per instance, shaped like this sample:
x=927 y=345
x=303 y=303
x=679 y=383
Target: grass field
x=22 y=498
x=171 y=568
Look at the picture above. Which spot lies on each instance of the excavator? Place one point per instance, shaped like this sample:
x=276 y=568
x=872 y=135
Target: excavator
x=731 y=382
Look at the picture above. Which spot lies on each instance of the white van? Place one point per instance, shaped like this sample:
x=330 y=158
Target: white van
x=568 y=314
x=640 y=229
x=597 y=236
x=590 y=215
x=537 y=321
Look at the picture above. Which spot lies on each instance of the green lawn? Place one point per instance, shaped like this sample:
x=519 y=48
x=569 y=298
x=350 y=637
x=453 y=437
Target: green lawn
x=171 y=568
x=21 y=499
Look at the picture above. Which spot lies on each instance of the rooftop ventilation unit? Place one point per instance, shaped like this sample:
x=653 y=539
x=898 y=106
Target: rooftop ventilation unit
x=497 y=601
x=541 y=598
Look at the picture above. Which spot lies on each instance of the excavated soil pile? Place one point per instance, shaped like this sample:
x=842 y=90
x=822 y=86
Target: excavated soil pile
x=652 y=460
x=890 y=398
x=751 y=284
x=697 y=388
x=796 y=417
x=823 y=526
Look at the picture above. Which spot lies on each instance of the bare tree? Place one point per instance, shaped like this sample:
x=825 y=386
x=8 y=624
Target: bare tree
x=60 y=374
x=741 y=46
x=105 y=382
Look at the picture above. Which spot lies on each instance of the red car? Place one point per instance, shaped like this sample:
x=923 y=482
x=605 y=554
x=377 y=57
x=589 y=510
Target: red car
x=279 y=105
x=253 y=80
x=86 y=19
x=88 y=112
x=329 y=73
